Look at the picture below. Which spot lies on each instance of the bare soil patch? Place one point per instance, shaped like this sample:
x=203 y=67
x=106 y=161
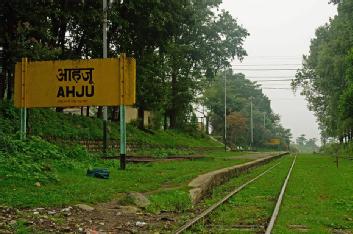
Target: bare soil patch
x=105 y=218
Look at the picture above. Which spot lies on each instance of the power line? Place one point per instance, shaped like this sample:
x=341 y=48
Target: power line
x=276 y=56
x=274 y=85
x=255 y=77
x=276 y=88
x=287 y=100
x=267 y=69
x=272 y=80
x=278 y=85
x=262 y=65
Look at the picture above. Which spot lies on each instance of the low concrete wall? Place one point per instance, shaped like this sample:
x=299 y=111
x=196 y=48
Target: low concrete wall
x=203 y=184
x=96 y=145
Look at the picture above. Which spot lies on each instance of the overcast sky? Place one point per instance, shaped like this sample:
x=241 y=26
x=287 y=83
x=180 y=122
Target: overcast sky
x=280 y=33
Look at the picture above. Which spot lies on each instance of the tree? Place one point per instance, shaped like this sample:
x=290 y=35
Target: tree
x=301 y=141
x=326 y=77
x=206 y=43
x=47 y=30
x=311 y=143
x=306 y=145
x=24 y=33
x=179 y=45
x=237 y=129
x=239 y=92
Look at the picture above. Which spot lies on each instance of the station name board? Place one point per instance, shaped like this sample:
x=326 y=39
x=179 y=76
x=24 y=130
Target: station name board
x=93 y=82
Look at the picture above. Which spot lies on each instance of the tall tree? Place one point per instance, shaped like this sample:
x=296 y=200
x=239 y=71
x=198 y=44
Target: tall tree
x=326 y=74
x=207 y=43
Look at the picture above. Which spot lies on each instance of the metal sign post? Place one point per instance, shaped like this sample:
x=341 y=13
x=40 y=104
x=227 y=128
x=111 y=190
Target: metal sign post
x=23 y=124
x=122 y=113
x=122 y=138
x=23 y=112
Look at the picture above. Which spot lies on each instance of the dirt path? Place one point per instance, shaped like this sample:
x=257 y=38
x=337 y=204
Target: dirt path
x=105 y=218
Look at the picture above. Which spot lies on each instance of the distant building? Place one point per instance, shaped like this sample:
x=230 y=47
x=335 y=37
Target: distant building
x=131 y=114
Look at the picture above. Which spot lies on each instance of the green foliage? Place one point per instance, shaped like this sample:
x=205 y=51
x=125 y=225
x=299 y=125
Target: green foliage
x=306 y=145
x=178 y=45
x=35 y=160
x=209 y=41
x=47 y=123
x=341 y=150
x=9 y=117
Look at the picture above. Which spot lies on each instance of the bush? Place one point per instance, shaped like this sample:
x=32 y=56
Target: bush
x=35 y=159
x=9 y=118
x=340 y=149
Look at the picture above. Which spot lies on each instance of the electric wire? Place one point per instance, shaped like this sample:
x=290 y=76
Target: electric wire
x=263 y=65
x=267 y=69
x=276 y=88
x=269 y=77
x=283 y=80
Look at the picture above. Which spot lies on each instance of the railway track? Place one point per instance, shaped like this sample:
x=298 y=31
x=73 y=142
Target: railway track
x=188 y=225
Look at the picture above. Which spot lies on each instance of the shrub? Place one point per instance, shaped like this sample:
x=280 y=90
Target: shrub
x=35 y=159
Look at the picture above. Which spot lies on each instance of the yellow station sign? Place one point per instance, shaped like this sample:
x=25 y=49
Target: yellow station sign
x=275 y=141
x=93 y=82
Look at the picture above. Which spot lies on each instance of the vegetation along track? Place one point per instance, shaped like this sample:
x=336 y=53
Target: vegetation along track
x=220 y=210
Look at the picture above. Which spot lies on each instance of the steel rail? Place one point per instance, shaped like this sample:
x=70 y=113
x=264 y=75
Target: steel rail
x=279 y=201
x=220 y=202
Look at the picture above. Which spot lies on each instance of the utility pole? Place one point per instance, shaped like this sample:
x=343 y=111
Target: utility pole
x=225 y=111
x=105 y=55
x=251 y=123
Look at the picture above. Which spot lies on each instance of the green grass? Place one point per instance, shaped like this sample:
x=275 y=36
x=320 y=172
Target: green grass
x=47 y=123
x=176 y=200
x=74 y=187
x=319 y=196
x=61 y=170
